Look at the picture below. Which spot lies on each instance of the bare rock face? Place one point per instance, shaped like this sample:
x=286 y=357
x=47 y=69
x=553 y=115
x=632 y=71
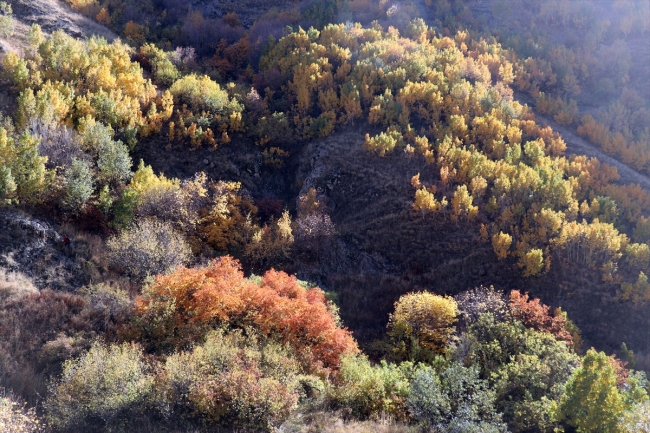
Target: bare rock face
x=33 y=248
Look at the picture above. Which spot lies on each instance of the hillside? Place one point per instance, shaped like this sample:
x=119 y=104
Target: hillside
x=337 y=215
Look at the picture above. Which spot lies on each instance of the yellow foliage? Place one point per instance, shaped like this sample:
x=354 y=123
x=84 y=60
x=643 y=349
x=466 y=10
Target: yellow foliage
x=501 y=243
x=426 y=316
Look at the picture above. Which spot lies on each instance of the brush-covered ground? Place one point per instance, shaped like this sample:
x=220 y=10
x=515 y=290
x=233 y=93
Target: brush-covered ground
x=244 y=216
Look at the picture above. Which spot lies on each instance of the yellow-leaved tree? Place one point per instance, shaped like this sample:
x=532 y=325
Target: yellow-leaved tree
x=422 y=319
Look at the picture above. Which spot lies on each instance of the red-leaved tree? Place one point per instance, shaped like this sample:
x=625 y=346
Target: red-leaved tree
x=178 y=309
x=536 y=315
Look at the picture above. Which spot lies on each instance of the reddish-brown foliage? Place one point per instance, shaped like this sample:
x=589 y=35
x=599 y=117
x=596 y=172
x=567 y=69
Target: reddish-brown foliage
x=536 y=315
x=278 y=307
x=619 y=368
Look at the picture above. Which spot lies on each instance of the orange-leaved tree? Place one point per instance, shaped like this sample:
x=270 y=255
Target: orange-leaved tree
x=533 y=314
x=178 y=309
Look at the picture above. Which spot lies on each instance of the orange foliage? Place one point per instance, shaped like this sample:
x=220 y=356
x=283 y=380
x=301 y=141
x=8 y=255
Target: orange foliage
x=536 y=315
x=278 y=306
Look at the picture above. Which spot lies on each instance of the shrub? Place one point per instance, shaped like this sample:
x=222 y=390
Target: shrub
x=234 y=378
x=179 y=308
x=43 y=329
x=473 y=303
x=108 y=384
x=454 y=401
x=366 y=391
x=203 y=94
x=164 y=71
x=151 y=247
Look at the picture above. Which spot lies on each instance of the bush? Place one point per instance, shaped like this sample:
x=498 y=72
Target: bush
x=366 y=391
x=149 y=248
x=234 y=378
x=43 y=329
x=454 y=401
x=107 y=384
x=203 y=94
x=179 y=308
x=164 y=71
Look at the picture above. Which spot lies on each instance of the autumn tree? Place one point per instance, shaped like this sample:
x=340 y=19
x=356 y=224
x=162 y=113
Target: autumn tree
x=180 y=307
x=423 y=316
x=591 y=401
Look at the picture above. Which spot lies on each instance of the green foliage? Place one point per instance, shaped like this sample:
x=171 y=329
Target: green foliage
x=78 y=186
x=364 y=390
x=114 y=162
x=234 y=378
x=7 y=24
x=203 y=94
x=107 y=385
x=592 y=402
x=22 y=171
x=164 y=71
x=526 y=369
x=456 y=400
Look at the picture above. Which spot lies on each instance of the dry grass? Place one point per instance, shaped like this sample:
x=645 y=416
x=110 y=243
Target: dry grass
x=15 y=284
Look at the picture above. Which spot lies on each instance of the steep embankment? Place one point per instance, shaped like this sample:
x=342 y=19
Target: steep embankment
x=51 y=15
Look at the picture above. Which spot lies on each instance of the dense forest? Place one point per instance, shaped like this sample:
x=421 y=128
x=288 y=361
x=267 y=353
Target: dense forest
x=325 y=216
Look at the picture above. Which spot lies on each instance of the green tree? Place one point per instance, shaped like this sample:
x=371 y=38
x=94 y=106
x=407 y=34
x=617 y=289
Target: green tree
x=457 y=400
x=114 y=162
x=78 y=186
x=7 y=24
x=22 y=170
x=591 y=400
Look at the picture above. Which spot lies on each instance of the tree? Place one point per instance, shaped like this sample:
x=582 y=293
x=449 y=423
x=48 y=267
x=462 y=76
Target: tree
x=427 y=317
x=591 y=400
x=22 y=171
x=501 y=243
x=526 y=369
x=114 y=162
x=532 y=262
x=179 y=308
x=461 y=204
x=78 y=186
x=7 y=24
x=457 y=400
